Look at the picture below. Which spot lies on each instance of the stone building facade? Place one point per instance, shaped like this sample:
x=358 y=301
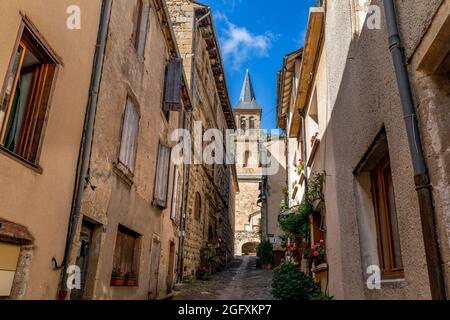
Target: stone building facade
x=209 y=210
x=127 y=237
x=345 y=112
x=250 y=174
x=41 y=128
x=274 y=192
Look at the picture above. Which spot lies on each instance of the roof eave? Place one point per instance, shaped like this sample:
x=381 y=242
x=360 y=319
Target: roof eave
x=311 y=51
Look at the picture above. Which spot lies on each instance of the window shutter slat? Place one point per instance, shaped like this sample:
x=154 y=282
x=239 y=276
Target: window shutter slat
x=143 y=28
x=173 y=85
x=162 y=176
x=173 y=213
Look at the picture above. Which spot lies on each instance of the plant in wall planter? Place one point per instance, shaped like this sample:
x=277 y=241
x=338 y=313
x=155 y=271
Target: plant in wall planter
x=130 y=279
x=117 y=278
x=299 y=166
x=314 y=252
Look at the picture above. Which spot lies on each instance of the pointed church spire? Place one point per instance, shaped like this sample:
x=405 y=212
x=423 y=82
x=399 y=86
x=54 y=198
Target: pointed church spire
x=247 y=99
x=247 y=93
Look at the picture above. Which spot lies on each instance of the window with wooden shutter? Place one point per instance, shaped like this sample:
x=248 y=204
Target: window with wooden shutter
x=25 y=96
x=141 y=26
x=161 y=187
x=172 y=94
x=130 y=130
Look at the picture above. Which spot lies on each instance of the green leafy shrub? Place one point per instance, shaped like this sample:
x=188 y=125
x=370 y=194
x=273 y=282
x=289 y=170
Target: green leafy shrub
x=289 y=283
x=297 y=223
x=264 y=252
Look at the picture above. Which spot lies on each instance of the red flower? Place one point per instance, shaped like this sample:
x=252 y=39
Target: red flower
x=309 y=254
x=316 y=253
x=305 y=245
x=314 y=247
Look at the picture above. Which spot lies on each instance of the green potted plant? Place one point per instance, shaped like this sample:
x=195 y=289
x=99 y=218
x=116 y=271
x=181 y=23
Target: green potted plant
x=264 y=252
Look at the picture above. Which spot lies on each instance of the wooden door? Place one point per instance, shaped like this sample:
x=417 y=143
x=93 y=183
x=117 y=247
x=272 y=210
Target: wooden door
x=170 y=273
x=154 y=269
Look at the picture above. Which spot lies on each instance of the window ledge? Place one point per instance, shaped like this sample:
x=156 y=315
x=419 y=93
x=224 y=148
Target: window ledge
x=393 y=281
x=30 y=165
x=320 y=267
x=313 y=152
x=121 y=171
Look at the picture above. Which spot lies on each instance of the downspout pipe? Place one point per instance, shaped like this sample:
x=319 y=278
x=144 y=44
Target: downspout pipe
x=183 y=219
x=304 y=150
x=184 y=216
x=86 y=141
x=421 y=177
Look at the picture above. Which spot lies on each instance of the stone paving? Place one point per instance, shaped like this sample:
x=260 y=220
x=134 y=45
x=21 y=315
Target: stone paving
x=242 y=281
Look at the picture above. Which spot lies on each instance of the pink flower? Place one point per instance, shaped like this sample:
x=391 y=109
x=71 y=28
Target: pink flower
x=314 y=247
x=316 y=253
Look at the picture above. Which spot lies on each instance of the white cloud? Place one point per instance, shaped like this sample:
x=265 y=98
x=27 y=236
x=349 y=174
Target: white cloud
x=239 y=45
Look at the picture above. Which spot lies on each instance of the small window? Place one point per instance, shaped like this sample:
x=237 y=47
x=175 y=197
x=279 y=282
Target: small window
x=386 y=219
x=243 y=124
x=130 y=130
x=246 y=159
x=25 y=97
x=252 y=122
x=198 y=207
x=162 y=177
x=126 y=258
x=141 y=26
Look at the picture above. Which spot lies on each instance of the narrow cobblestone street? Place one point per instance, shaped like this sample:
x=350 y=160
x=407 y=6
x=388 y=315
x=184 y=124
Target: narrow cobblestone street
x=242 y=281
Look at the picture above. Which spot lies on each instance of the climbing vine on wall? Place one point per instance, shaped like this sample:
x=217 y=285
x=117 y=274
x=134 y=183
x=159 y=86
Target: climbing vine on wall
x=297 y=223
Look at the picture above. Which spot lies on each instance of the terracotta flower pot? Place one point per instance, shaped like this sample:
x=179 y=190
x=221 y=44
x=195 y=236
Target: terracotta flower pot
x=130 y=282
x=117 y=281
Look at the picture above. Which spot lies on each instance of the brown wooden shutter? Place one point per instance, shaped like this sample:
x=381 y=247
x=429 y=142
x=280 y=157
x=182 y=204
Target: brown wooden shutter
x=172 y=97
x=161 y=187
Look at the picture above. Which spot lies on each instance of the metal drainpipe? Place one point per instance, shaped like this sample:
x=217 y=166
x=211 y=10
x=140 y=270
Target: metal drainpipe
x=86 y=141
x=187 y=166
x=421 y=178
x=304 y=150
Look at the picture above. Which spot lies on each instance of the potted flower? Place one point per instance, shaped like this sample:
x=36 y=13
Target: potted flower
x=299 y=166
x=294 y=251
x=202 y=272
x=314 y=252
x=117 y=278
x=130 y=279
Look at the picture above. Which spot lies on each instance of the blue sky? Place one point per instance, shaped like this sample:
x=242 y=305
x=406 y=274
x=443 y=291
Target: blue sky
x=257 y=34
